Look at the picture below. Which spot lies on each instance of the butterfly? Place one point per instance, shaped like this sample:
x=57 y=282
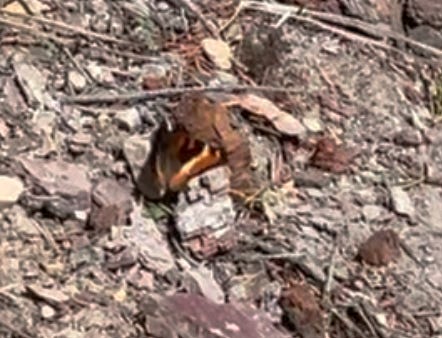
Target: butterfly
x=200 y=138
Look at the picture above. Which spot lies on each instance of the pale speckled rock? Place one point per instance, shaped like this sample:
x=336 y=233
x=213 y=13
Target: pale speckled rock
x=77 y=80
x=401 y=202
x=11 y=189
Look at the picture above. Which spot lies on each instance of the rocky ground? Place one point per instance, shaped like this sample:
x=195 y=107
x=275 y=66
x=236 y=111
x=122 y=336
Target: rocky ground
x=331 y=108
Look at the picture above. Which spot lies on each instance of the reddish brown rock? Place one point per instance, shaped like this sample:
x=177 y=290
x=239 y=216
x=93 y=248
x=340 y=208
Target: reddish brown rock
x=381 y=248
x=191 y=315
x=303 y=310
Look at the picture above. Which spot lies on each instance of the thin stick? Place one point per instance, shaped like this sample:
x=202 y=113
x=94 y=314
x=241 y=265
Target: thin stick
x=341 y=20
x=330 y=274
x=208 y=25
x=32 y=31
x=347 y=322
x=64 y=26
x=167 y=92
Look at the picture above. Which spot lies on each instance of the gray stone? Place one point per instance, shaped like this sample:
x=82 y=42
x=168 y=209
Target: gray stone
x=32 y=82
x=207 y=284
x=22 y=224
x=128 y=119
x=213 y=215
x=152 y=248
x=137 y=150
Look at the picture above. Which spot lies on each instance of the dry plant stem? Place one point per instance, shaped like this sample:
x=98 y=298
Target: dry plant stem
x=62 y=25
x=209 y=26
x=32 y=31
x=167 y=92
x=232 y=18
x=347 y=322
x=362 y=313
x=331 y=271
x=315 y=18
x=82 y=70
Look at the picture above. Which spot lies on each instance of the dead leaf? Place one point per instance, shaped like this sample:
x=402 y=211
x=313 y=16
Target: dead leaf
x=281 y=120
x=218 y=52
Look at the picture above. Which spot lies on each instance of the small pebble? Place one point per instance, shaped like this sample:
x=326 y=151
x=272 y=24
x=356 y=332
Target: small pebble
x=77 y=81
x=47 y=312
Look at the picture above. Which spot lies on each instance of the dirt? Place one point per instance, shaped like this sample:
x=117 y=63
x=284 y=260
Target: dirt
x=336 y=128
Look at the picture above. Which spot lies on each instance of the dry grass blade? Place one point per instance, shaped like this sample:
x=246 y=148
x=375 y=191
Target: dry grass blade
x=62 y=25
x=206 y=23
x=149 y=94
x=324 y=21
x=32 y=31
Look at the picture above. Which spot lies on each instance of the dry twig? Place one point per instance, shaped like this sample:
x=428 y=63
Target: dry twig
x=66 y=27
x=32 y=31
x=167 y=92
x=209 y=26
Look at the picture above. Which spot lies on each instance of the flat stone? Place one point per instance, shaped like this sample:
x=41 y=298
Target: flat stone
x=371 y=212
x=11 y=189
x=32 y=82
x=401 y=202
x=313 y=123
x=110 y=192
x=152 y=247
x=218 y=51
x=137 y=150
x=408 y=138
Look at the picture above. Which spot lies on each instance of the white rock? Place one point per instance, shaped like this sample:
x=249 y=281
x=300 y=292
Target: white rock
x=401 y=202
x=77 y=80
x=313 y=123
x=47 y=312
x=11 y=189
x=218 y=51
